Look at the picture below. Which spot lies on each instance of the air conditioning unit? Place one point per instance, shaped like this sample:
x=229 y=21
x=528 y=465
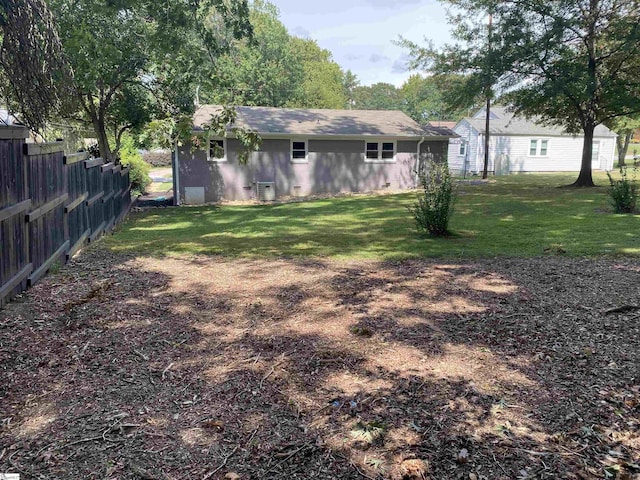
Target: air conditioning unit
x=266 y=191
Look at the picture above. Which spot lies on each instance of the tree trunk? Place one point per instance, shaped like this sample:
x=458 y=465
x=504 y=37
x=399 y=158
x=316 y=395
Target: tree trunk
x=100 y=130
x=623 y=147
x=585 y=179
x=485 y=170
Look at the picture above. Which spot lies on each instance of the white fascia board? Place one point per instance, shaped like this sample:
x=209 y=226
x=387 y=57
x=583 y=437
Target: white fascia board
x=282 y=136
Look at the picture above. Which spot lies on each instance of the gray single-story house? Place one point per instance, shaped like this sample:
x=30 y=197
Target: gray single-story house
x=518 y=144
x=306 y=152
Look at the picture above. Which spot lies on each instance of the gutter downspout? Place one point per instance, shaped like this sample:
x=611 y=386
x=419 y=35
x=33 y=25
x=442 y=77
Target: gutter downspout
x=176 y=174
x=418 y=164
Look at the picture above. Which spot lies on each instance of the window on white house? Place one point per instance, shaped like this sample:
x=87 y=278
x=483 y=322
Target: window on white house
x=595 y=152
x=299 y=151
x=544 y=145
x=538 y=148
x=380 y=152
x=217 y=150
x=463 y=148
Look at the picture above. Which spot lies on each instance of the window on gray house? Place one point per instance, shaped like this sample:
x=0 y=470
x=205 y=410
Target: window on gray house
x=372 y=150
x=388 y=150
x=299 y=151
x=216 y=150
x=380 y=152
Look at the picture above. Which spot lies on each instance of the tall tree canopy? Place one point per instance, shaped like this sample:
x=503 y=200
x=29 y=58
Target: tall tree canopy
x=428 y=99
x=323 y=84
x=379 y=96
x=262 y=72
x=131 y=60
x=277 y=69
x=37 y=80
x=573 y=63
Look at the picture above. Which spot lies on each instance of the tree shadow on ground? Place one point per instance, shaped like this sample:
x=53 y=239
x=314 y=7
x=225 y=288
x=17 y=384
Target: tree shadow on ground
x=124 y=367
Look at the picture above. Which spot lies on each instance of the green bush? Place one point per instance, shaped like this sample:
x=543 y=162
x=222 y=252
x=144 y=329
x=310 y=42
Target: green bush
x=435 y=203
x=623 y=193
x=138 y=168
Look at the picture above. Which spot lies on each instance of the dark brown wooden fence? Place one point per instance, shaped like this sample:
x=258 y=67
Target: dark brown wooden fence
x=50 y=205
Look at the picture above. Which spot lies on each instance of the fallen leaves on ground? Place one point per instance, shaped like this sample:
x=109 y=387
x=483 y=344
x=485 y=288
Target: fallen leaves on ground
x=124 y=367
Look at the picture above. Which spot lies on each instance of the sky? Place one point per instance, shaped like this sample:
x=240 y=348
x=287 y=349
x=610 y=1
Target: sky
x=360 y=33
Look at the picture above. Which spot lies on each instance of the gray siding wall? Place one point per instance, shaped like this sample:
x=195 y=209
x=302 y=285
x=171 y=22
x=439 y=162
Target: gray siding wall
x=334 y=166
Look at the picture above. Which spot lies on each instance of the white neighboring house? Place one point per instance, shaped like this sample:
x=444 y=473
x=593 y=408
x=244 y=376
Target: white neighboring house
x=519 y=145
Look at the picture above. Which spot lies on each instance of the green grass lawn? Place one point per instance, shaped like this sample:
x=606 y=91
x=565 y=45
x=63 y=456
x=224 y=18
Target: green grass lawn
x=519 y=215
x=633 y=147
x=159 y=187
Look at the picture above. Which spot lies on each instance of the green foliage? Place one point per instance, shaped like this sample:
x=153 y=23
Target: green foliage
x=323 y=85
x=434 y=207
x=222 y=123
x=276 y=69
x=142 y=59
x=349 y=84
x=573 y=63
x=623 y=192
x=261 y=72
x=138 y=168
x=625 y=128
x=431 y=98
x=379 y=96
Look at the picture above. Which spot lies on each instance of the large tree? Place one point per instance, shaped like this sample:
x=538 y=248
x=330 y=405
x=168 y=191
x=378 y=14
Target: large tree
x=132 y=60
x=323 y=85
x=573 y=63
x=262 y=72
x=431 y=98
x=349 y=84
x=379 y=96
x=625 y=127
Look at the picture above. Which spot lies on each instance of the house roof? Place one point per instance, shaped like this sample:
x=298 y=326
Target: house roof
x=505 y=123
x=443 y=123
x=322 y=123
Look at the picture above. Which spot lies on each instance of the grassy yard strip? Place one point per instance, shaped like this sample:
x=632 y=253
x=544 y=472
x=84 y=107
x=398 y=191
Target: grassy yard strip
x=159 y=187
x=518 y=215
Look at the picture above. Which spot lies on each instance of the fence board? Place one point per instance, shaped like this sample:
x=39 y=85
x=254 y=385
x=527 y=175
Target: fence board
x=76 y=203
x=15 y=209
x=15 y=281
x=51 y=204
x=46 y=208
x=39 y=273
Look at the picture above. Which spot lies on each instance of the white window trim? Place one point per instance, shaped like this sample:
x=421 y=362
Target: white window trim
x=306 y=150
x=224 y=146
x=538 y=148
x=380 y=159
x=593 y=144
x=462 y=148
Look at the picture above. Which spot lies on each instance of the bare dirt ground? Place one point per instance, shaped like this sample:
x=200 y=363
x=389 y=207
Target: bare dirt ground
x=208 y=368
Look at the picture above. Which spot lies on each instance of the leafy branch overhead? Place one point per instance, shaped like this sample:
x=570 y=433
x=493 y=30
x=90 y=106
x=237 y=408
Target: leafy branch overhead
x=37 y=80
x=222 y=123
x=178 y=129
